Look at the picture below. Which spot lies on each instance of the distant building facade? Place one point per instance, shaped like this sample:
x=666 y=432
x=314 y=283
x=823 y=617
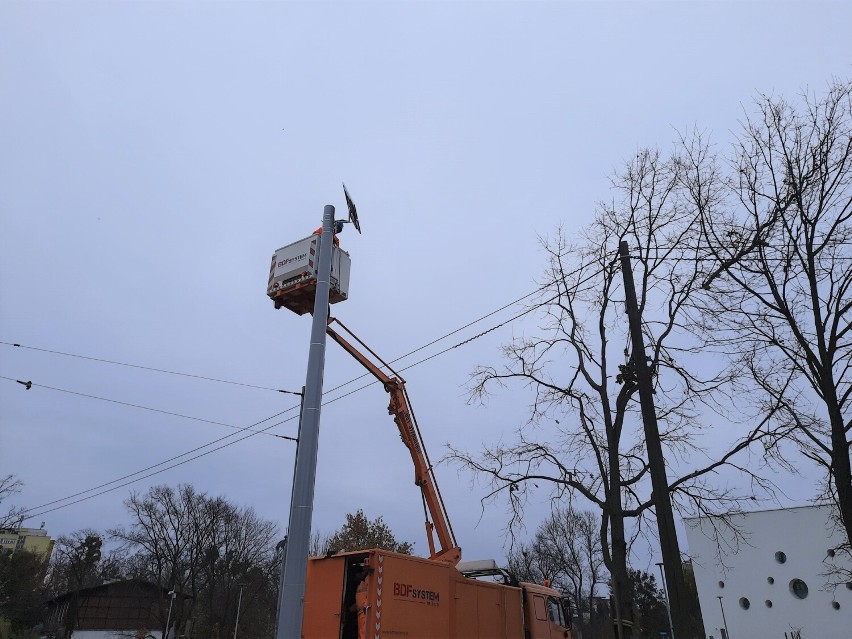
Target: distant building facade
x=119 y=610
x=34 y=540
x=777 y=576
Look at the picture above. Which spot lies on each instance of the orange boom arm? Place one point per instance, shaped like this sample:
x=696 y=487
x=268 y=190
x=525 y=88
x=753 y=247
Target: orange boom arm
x=424 y=477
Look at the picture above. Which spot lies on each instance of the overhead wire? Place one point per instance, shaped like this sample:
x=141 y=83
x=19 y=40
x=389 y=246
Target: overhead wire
x=159 y=470
x=251 y=432
x=424 y=346
x=147 y=368
x=136 y=478
x=213 y=379
x=115 y=485
x=30 y=384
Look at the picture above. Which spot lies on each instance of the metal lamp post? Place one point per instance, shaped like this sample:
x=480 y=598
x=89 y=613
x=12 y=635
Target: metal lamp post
x=660 y=565
x=239 y=605
x=724 y=621
x=172 y=594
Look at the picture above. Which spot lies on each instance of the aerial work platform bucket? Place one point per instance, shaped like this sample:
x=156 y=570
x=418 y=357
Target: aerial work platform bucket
x=293 y=275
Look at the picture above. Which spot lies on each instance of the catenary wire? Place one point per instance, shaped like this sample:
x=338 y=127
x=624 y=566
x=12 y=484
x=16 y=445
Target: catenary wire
x=159 y=370
x=199 y=419
x=139 y=406
x=253 y=432
x=146 y=368
x=230 y=443
x=162 y=463
x=159 y=470
x=213 y=379
x=135 y=476
x=639 y=249
x=135 y=479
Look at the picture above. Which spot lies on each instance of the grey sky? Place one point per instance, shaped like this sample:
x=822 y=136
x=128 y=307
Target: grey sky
x=154 y=155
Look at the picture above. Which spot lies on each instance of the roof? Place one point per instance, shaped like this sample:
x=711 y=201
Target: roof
x=140 y=584
x=756 y=512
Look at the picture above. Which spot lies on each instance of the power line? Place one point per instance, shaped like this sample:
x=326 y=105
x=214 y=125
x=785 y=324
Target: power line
x=213 y=379
x=159 y=469
x=156 y=472
x=159 y=370
x=134 y=477
x=639 y=249
x=30 y=384
x=264 y=430
x=146 y=368
x=248 y=428
x=109 y=486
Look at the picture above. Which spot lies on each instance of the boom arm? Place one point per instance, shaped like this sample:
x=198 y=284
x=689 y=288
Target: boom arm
x=400 y=408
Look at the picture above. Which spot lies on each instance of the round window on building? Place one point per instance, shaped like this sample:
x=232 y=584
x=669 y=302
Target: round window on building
x=799 y=588
x=768 y=603
x=721 y=584
x=780 y=556
x=745 y=604
x=835 y=605
x=770 y=580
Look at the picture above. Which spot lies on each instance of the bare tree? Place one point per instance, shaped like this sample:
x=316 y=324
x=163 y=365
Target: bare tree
x=240 y=556
x=207 y=548
x=165 y=534
x=566 y=549
x=75 y=563
x=10 y=485
x=584 y=437
x=782 y=285
x=318 y=544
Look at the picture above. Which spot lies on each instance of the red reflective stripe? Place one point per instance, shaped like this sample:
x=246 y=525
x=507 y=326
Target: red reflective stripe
x=319 y=232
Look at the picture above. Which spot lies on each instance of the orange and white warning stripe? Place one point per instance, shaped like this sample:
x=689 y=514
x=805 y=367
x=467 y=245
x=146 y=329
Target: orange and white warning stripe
x=271 y=271
x=379 y=596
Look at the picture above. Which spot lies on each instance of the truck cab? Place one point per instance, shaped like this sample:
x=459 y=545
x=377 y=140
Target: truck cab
x=548 y=614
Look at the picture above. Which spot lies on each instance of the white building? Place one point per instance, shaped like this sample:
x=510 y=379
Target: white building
x=771 y=579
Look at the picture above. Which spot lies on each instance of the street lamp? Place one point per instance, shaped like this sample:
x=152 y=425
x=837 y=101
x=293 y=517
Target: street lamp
x=666 y=593
x=724 y=621
x=172 y=594
x=239 y=605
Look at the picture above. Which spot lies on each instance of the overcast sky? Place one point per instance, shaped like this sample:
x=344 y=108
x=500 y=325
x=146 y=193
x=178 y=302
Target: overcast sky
x=153 y=155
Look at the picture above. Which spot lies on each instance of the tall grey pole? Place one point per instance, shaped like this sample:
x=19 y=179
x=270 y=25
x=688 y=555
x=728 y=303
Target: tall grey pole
x=282 y=545
x=172 y=594
x=292 y=595
x=239 y=605
x=665 y=592
x=725 y=621
x=656 y=462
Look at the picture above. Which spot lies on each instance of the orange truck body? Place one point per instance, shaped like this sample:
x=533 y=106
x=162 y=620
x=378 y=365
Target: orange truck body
x=416 y=598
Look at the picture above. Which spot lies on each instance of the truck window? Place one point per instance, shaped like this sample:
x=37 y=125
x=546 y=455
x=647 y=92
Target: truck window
x=567 y=612
x=554 y=607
